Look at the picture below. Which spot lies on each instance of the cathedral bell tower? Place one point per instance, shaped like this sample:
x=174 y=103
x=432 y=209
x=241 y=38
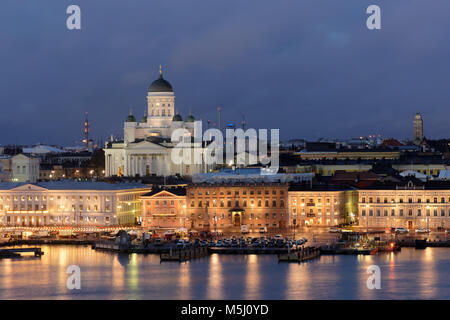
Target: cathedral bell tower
x=161 y=102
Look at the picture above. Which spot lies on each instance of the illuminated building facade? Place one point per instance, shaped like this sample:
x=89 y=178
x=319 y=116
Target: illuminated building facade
x=228 y=206
x=147 y=145
x=70 y=204
x=317 y=207
x=165 y=209
x=406 y=207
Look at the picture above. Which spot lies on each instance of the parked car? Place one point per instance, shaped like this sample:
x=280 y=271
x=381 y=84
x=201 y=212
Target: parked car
x=211 y=244
x=158 y=242
x=180 y=244
x=422 y=230
x=334 y=230
x=262 y=230
x=401 y=230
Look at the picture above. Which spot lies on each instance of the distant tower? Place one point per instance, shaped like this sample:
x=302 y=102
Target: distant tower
x=86 y=131
x=418 y=129
x=243 y=121
x=219 y=111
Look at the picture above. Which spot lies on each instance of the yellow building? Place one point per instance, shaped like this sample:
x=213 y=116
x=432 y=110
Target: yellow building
x=350 y=155
x=316 y=207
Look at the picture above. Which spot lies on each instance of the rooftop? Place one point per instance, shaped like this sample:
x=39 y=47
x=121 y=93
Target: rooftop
x=75 y=185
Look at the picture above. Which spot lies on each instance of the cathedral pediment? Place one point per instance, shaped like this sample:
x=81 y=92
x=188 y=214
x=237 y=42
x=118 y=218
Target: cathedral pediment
x=29 y=187
x=145 y=145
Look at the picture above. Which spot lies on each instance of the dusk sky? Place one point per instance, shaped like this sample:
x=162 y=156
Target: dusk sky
x=310 y=68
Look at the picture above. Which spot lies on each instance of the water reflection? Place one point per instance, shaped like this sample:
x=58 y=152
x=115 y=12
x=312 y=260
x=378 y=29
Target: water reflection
x=215 y=279
x=252 y=288
x=410 y=274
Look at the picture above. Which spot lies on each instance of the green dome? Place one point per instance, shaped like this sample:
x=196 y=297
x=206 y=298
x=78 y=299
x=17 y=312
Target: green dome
x=190 y=118
x=130 y=118
x=160 y=84
x=177 y=117
x=144 y=119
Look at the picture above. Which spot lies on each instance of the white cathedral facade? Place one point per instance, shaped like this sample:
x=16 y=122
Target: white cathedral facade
x=146 y=148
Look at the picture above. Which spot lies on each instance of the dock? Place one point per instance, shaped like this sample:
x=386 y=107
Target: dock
x=304 y=254
x=184 y=254
x=15 y=252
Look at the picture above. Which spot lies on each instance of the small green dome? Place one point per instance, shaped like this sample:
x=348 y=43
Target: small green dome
x=177 y=117
x=190 y=118
x=144 y=119
x=130 y=118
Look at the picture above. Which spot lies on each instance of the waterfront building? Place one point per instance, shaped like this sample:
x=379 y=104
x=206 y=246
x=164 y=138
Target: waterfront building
x=228 y=206
x=70 y=204
x=411 y=206
x=147 y=146
x=165 y=209
x=317 y=207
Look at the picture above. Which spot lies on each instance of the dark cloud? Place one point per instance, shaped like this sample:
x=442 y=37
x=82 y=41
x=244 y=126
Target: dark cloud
x=310 y=68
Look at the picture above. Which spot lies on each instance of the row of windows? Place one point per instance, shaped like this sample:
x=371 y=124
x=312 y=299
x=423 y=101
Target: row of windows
x=236 y=203
x=43 y=207
x=51 y=198
x=163 y=113
x=311 y=200
x=236 y=192
x=164 y=202
x=54 y=219
x=402 y=213
x=251 y=216
x=401 y=200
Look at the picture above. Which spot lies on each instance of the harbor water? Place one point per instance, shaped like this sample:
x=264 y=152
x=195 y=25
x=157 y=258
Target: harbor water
x=409 y=274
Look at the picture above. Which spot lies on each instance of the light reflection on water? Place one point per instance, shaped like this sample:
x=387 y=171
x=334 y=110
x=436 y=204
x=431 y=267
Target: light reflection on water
x=410 y=274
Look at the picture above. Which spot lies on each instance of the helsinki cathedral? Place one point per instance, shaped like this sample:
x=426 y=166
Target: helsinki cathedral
x=146 y=147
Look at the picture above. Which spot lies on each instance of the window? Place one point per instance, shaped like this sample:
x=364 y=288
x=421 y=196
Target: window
x=419 y=212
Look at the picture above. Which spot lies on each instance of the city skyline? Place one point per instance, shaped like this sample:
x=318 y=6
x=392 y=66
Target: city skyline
x=273 y=62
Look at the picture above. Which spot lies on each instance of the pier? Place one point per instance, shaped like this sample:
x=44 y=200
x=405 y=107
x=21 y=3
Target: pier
x=15 y=252
x=301 y=255
x=184 y=254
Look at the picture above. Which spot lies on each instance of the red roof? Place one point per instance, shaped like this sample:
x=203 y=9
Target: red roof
x=391 y=143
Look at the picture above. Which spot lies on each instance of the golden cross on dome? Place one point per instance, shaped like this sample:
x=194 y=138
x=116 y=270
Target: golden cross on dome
x=160 y=70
